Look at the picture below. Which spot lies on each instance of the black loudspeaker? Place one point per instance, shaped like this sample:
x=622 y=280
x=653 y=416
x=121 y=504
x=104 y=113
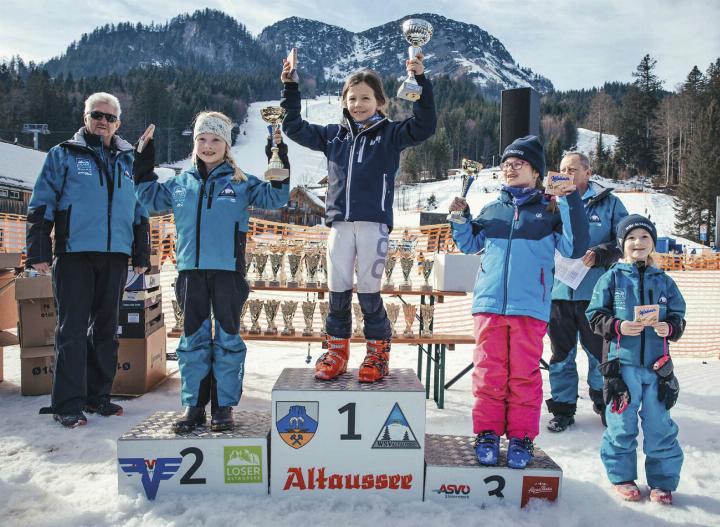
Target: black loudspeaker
x=519 y=115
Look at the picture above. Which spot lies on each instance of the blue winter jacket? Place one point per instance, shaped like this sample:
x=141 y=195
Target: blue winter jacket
x=518 y=250
x=86 y=192
x=615 y=296
x=604 y=212
x=362 y=165
x=211 y=215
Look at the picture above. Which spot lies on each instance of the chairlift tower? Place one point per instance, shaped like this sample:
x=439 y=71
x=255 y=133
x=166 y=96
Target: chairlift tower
x=35 y=129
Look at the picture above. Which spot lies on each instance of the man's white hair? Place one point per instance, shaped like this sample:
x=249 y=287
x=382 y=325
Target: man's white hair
x=102 y=97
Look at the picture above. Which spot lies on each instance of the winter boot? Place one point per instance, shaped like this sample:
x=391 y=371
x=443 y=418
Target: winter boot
x=193 y=417
x=71 y=420
x=104 y=407
x=628 y=491
x=334 y=361
x=487 y=448
x=559 y=423
x=222 y=419
x=377 y=361
x=520 y=452
x=663 y=497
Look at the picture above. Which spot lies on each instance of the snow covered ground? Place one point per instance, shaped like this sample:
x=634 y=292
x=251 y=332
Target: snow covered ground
x=56 y=477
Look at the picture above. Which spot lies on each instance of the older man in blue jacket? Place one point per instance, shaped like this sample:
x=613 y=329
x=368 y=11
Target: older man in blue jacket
x=86 y=192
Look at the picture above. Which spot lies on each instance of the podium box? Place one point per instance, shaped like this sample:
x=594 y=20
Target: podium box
x=343 y=436
x=453 y=475
x=153 y=461
x=456 y=272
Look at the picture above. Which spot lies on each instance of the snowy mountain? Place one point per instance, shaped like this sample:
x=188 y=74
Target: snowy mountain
x=213 y=42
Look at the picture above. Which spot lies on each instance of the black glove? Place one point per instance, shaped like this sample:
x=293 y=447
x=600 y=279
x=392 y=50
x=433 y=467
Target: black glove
x=144 y=162
x=615 y=391
x=141 y=244
x=668 y=385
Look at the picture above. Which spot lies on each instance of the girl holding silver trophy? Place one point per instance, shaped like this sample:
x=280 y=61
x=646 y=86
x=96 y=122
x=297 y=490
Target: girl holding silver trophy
x=363 y=153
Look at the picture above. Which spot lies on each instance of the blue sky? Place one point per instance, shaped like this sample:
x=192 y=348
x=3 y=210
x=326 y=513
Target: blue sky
x=577 y=44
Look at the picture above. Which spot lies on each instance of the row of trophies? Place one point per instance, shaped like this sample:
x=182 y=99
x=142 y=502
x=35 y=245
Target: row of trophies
x=289 y=307
x=314 y=257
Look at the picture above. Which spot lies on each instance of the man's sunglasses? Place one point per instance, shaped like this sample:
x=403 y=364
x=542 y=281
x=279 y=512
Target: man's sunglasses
x=97 y=115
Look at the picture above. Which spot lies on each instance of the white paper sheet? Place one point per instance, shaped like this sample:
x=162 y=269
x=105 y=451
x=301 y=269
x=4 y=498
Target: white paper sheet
x=570 y=271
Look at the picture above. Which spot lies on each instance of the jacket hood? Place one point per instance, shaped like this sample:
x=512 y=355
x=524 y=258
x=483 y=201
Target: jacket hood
x=78 y=139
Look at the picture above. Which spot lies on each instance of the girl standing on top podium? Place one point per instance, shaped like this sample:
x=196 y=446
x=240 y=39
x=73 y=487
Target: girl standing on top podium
x=363 y=155
x=210 y=204
x=517 y=235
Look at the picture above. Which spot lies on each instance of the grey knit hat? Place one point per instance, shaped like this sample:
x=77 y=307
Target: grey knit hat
x=213 y=124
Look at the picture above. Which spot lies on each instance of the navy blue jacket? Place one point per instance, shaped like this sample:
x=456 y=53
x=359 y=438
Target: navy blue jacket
x=362 y=166
x=614 y=299
x=518 y=251
x=86 y=191
x=211 y=215
x=604 y=212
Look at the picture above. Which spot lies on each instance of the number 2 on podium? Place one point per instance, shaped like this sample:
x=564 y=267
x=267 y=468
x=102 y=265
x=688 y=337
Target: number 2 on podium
x=351 y=435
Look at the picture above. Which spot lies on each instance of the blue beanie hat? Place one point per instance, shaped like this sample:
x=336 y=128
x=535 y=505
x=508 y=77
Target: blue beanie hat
x=528 y=148
x=634 y=221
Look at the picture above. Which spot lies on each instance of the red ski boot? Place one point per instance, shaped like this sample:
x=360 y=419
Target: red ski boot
x=663 y=497
x=377 y=361
x=628 y=491
x=334 y=361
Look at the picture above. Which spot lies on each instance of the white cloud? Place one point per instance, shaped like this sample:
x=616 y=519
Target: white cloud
x=575 y=44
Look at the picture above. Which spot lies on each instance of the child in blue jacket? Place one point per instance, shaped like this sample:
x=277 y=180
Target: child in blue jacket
x=638 y=371
x=363 y=156
x=210 y=204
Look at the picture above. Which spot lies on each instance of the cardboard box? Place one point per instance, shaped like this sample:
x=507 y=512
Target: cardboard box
x=134 y=296
x=10 y=260
x=141 y=363
x=142 y=303
x=456 y=272
x=36 y=311
x=6 y=339
x=8 y=308
x=141 y=282
x=37 y=366
x=138 y=323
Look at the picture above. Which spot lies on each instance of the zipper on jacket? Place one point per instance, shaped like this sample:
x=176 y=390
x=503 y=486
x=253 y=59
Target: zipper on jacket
x=542 y=281
x=362 y=150
x=642 y=301
x=201 y=195
x=507 y=257
x=382 y=198
x=210 y=194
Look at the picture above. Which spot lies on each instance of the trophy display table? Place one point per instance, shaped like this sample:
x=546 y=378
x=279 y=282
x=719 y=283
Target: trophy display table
x=346 y=437
x=452 y=473
x=154 y=460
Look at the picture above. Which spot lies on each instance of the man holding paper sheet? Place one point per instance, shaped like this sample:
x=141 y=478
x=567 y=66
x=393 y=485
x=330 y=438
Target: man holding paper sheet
x=572 y=290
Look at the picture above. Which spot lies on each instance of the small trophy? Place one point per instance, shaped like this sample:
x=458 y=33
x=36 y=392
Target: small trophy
x=294 y=259
x=393 y=310
x=261 y=258
x=426 y=270
x=276 y=258
x=243 y=310
x=427 y=312
x=255 y=308
x=417 y=32
x=407 y=259
x=470 y=171
x=308 y=309
x=271 y=308
x=288 y=309
x=324 y=307
x=359 y=317
x=323 y=266
x=312 y=259
x=389 y=266
x=409 y=311
x=179 y=317
x=276 y=171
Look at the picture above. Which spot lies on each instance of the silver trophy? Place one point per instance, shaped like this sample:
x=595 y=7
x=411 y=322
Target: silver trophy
x=271 y=309
x=288 y=309
x=427 y=312
x=409 y=311
x=276 y=258
x=179 y=317
x=407 y=259
x=324 y=267
x=427 y=267
x=312 y=259
x=276 y=171
x=255 y=306
x=389 y=266
x=359 y=317
x=261 y=258
x=294 y=259
x=393 y=310
x=470 y=171
x=417 y=32
x=324 y=308
x=243 y=310
x=308 y=310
